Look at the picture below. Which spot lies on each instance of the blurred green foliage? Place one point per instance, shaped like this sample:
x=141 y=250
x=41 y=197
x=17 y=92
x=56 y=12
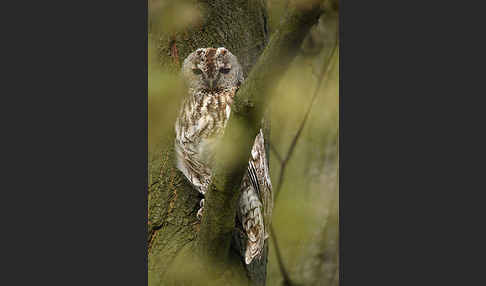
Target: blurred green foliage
x=309 y=192
x=165 y=90
x=305 y=213
x=169 y=16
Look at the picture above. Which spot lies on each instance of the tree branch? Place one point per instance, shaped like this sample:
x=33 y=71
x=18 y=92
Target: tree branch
x=275 y=152
x=324 y=71
x=283 y=162
x=232 y=158
x=281 y=266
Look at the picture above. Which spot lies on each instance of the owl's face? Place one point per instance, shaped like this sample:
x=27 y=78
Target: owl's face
x=212 y=69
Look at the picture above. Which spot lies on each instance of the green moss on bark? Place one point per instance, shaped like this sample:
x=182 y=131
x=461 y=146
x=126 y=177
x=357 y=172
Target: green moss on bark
x=174 y=234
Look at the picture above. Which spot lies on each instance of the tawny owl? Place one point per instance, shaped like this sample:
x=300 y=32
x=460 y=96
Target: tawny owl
x=212 y=77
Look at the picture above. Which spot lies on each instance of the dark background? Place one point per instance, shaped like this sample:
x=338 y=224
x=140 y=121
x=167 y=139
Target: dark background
x=75 y=136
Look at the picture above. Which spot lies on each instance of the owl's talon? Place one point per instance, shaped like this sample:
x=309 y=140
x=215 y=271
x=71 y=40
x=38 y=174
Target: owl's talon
x=200 y=211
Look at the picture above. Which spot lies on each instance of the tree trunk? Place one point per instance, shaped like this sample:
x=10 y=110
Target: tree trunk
x=241 y=27
x=174 y=233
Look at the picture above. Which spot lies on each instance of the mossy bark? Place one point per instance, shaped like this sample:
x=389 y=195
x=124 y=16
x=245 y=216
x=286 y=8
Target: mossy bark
x=238 y=25
x=182 y=250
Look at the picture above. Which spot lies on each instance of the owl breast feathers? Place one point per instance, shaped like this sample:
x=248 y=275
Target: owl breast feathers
x=212 y=77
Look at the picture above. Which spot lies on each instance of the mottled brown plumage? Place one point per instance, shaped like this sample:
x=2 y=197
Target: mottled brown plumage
x=212 y=77
x=256 y=200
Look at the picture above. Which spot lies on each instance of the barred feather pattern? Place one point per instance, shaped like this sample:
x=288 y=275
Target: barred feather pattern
x=200 y=124
x=213 y=77
x=256 y=201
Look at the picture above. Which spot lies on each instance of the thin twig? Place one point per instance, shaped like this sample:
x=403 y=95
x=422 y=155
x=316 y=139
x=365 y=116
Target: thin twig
x=283 y=164
x=277 y=155
x=290 y=151
x=285 y=275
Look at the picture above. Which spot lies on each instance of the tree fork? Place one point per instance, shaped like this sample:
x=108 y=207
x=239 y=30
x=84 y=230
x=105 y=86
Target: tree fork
x=218 y=221
x=239 y=25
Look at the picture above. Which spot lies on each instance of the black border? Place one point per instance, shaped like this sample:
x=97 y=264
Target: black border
x=79 y=166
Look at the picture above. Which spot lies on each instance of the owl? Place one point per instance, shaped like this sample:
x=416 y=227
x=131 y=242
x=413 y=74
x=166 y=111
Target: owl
x=212 y=77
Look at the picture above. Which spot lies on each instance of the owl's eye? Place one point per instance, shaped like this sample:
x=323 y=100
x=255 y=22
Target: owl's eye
x=197 y=71
x=224 y=70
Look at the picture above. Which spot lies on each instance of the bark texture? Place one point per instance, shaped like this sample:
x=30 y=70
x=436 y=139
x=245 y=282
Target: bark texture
x=181 y=250
x=240 y=26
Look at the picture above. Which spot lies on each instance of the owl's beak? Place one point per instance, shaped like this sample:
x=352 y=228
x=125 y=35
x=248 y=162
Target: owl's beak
x=212 y=83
